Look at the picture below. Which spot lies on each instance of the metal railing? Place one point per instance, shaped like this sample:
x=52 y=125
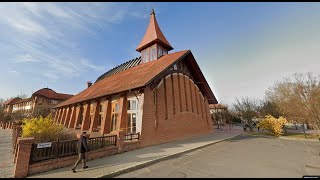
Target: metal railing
x=68 y=148
x=132 y=136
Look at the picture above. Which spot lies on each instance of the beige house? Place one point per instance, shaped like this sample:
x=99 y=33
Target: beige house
x=40 y=102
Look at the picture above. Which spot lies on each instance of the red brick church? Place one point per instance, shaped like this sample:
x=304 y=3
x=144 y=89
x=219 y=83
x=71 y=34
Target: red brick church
x=163 y=96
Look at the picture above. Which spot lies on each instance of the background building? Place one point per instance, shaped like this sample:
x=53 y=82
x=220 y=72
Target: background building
x=219 y=114
x=40 y=103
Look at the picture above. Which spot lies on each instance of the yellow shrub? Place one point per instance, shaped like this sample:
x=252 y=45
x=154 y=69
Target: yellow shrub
x=42 y=129
x=273 y=124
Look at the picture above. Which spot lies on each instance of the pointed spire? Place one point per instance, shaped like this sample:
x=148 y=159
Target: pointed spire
x=153 y=35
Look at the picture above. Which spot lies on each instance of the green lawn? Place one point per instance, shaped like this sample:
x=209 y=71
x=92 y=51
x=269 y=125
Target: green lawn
x=301 y=135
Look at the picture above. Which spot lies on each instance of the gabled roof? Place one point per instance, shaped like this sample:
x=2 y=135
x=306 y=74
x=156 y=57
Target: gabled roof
x=153 y=34
x=51 y=94
x=217 y=106
x=132 y=78
x=11 y=101
x=121 y=67
x=140 y=76
x=45 y=92
x=22 y=100
x=199 y=78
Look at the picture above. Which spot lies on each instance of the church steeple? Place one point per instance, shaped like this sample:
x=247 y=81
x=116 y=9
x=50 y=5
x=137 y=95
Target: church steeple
x=154 y=44
x=152 y=12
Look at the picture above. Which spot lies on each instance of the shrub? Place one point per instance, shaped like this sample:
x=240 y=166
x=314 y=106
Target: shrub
x=44 y=129
x=273 y=125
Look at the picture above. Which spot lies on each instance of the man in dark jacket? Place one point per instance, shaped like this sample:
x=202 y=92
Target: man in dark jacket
x=82 y=149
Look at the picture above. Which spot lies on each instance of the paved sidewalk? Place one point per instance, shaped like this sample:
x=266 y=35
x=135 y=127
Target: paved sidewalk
x=6 y=156
x=112 y=166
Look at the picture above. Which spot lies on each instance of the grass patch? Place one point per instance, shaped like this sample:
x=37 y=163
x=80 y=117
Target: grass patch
x=301 y=135
x=260 y=133
x=288 y=134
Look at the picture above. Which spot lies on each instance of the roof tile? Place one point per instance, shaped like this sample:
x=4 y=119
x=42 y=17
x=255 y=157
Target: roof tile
x=51 y=94
x=120 y=68
x=153 y=34
x=12 y=101
x=217 y=106
x=131 y=78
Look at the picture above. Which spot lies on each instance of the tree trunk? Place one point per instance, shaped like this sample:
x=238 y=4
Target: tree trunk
x=284 y=129
x=304 y=131
x=295 y=124
x=250 y=127
x=309 y=126
x=317 y=127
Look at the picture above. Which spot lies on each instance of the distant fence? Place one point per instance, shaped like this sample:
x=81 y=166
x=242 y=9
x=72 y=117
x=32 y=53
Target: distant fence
x=7 y=125
x=58 y=149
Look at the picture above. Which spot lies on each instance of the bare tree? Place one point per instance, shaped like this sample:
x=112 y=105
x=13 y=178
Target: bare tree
x=268 y=107
x=41 y=111
x=247 y=110
x=308 y=88
x=23 y=96
x=1 y=109
x=298 y=99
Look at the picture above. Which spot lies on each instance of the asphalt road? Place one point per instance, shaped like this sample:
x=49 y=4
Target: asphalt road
x=244 y=156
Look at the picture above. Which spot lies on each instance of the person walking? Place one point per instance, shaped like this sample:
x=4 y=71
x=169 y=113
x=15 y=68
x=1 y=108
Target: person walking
x=82 y=149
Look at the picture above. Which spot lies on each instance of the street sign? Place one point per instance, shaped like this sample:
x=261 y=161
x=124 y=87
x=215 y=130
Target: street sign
x=44 y=145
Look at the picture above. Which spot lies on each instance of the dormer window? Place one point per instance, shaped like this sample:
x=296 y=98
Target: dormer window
x=145 y=55
x=149 y=54
x=161 y=51
x=153 y=53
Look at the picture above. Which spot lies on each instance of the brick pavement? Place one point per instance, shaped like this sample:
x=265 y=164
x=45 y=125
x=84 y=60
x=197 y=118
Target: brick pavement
x=6 y=156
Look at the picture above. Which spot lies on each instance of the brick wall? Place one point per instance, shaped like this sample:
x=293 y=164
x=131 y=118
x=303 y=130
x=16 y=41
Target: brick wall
x=22 y=158
x=130 y=145
x=156 y=128
x=7 y=125
x=69 y=160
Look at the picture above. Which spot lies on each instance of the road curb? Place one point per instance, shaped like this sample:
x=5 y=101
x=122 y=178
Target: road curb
x=311 y=166
x=148 y=163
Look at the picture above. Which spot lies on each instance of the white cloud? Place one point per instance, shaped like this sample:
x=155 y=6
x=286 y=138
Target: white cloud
x=39 y=33
x=86 y=63
x=12 y=71
x=51 y=75
x=26 y=58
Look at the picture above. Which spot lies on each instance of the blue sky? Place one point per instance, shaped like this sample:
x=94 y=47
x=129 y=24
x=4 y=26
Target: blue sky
x=242 y=48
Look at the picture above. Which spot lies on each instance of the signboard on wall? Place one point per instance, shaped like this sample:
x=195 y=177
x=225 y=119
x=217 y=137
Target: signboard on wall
x=44 y=145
